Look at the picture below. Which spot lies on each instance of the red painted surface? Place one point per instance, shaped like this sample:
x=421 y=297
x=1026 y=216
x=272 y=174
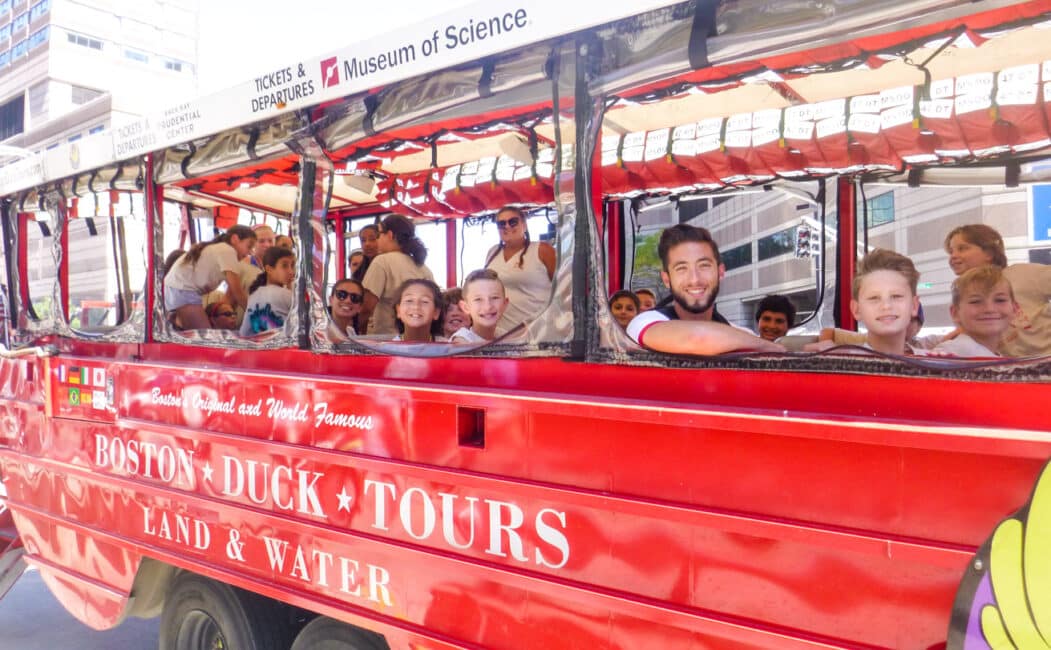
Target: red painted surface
x=654 y=508
x=451 y=279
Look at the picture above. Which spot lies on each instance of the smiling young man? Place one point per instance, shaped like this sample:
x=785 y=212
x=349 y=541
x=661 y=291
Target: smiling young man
x=692 y=270
x=774 y=316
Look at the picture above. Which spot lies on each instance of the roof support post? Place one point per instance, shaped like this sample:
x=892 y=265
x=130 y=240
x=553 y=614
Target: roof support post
x=451 y=258
x=847 y=250
x=615 y=280
x=153 y=203
x=62 y=223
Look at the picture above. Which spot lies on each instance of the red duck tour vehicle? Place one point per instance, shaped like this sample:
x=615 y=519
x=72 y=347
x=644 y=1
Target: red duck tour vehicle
x=560 y=486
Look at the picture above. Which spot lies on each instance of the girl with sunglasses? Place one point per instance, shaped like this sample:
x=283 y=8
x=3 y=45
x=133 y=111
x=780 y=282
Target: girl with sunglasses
x=222 y=315
x=525 y=268
x=344 y=305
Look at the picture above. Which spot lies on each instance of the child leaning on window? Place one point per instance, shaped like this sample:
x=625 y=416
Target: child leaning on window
x=884 y=300
x=269 y=299
x=484 y=300
x=983 y=306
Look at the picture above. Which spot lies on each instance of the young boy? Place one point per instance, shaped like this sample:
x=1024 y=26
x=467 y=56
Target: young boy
x=484 y=300
x=774 y=316
x=983 y=306
x=885 y=301
x=647 y=299
x=455 y=318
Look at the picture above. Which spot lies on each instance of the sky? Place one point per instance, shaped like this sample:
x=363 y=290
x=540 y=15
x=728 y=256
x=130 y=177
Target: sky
x=243 y=38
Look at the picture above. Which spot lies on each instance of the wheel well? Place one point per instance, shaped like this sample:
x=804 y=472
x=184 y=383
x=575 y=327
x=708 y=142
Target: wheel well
x=153 y=583
x=150 y=588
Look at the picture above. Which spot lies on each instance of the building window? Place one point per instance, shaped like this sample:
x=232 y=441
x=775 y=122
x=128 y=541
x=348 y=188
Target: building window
x=12 y=117
x=175 y=66
x=39 y=9
x=698 y=206
x=38 y=38
x=38 y=100
x=778 y=243
x=53 y=145
x=84 y=41
x=737 y=257
x=83 y=95
x=20 y=22
x=97 y=129
x=73 y=138
x=20 y=49
x=5 y=8
x=135 y=55
x=5 y=58
x=881 y=209
x=5 y=32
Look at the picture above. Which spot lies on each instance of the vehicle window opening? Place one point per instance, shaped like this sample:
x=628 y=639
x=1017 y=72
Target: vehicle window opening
x=198 y=220
x=106 y=259
x=452 y=182
x=41 y=266
x=653 y=166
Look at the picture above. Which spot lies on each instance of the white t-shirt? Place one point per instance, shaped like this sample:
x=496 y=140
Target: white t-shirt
x=207 y=273
x=965 y=346
x=337 y=336
x=268 y=307
x=638 y=325
x=386 y=273
x=466 y=335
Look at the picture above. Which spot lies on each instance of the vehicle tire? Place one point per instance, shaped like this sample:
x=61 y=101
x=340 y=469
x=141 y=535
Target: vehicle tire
x=202 y=614
x=324 y=633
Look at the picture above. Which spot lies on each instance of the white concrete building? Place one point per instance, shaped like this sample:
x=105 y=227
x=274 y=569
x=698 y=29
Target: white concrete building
x=73 y=67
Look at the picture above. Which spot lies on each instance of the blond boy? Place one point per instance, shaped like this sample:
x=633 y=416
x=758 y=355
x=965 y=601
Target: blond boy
x=983 y=306
x=884 y=299
x=484 y=300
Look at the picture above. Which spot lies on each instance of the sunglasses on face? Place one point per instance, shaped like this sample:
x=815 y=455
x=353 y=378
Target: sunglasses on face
x=340 y=294
x=509 y=223
x=224 y=314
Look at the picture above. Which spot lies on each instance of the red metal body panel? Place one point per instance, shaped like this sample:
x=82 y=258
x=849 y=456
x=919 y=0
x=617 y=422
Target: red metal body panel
x=656 y=508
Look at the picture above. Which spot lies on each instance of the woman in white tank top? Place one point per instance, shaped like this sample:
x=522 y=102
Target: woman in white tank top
x=525 y=268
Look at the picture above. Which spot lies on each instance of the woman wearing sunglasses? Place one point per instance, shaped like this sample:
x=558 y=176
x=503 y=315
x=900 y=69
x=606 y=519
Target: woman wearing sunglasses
x=221 y=315
x=344 y=305
x=525 y=268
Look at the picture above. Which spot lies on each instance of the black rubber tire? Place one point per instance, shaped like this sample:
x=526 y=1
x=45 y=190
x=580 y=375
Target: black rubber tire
x=202 y=614
x=324 y=633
